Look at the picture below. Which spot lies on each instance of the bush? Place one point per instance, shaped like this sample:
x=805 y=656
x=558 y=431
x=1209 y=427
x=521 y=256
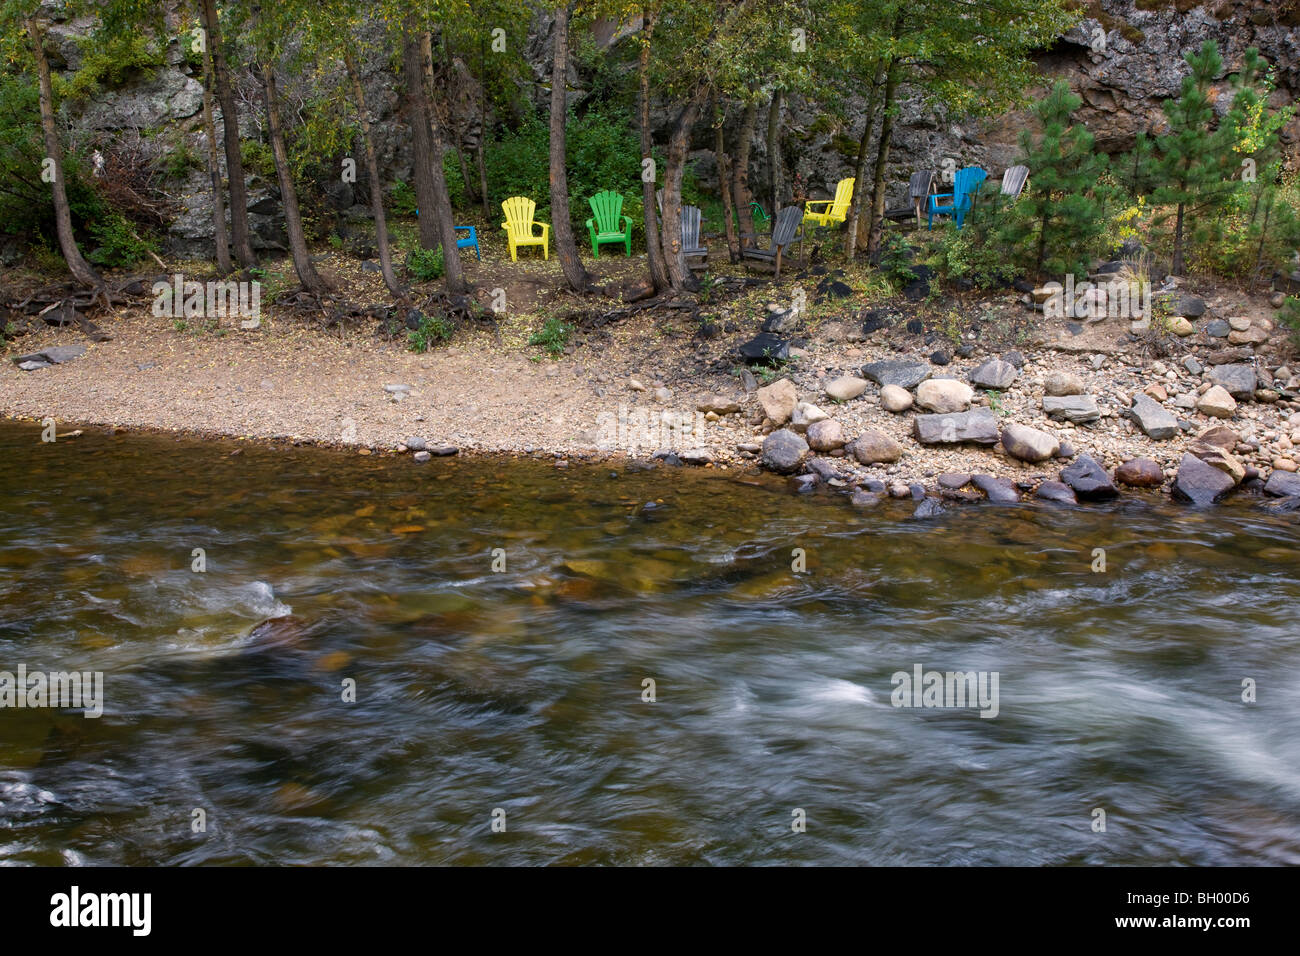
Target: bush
x=1289 y=315
x=119 y=244
x=401 y=199
x=431 y=330
x=974 y=252
x=424 y=265
x=553 y=337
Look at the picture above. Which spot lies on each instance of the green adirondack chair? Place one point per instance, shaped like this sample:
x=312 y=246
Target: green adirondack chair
x=609 y=224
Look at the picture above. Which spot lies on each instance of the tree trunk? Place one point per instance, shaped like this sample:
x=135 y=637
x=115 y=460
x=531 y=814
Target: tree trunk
x=483 y=129
x=239 y=234
x=774 y=152
x=574 y=271
x=882 y=159
x=453 y=273
x=376 y=190
x=679 y=276
x=81 y=270
x=422 y=155
x=740 y=172
x=1178 y=265
x=860 y=172
x=654 y=250
x=302 y=264
x=720 y=157
x=219 y=233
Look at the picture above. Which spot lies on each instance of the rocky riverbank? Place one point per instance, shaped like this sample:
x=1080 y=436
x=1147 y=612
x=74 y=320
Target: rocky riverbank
x=895 y=400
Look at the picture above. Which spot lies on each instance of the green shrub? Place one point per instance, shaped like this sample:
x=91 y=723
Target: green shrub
x=896 y=259
x=432 y=330
x=553 y=337
x=120 y=245
x=401 y=198
x=1289 y=315
x=424 y=265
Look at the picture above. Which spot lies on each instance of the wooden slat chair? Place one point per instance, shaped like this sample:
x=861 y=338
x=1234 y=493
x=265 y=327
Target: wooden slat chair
x=1014 y=181
x=835 y=210
x=785 y=230
x=608 y=223
x=692 y=247
x=919 y=188
x=519 y=226
x=964 y=184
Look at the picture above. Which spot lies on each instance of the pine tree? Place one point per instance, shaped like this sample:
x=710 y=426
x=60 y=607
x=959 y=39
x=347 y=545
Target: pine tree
x=1192 y=157
x=1058 y=221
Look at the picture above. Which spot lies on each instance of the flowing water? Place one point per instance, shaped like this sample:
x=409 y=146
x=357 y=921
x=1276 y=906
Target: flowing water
x=520 y=695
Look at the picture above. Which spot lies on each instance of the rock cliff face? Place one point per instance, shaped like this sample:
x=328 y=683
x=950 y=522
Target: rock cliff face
x=1124 y=60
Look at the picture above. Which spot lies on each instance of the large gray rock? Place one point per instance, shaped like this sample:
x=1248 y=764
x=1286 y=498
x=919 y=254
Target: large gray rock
x=1153 y=418
x=979 y=426
x=166 y=97
x=994 y=373
x=1071 y=408
x=784 y=451
x=1240 y=381
x=1282 y=484
x=54 y=355
x=1029 y=444
x=1199 y=482
x=1088 y=479
x=904 y=374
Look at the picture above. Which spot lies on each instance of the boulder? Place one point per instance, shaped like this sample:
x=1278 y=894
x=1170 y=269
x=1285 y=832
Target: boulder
x=1029 y=444
x=944 y=395
x=1140 y=473
x=1219 y=458
x=979 y=425
x=1190 y=306
x=778 y=400
x=1239 y=380
x=826 y=435
x=1088 y=479
x=994 y=373
x=784 y=451
x=1282 y=484
x=1200 y=483
x=873 y=448
x=902 y=374
x=846 y=387
x=1062 y=383
x=894 y=398
x=1217 y=403
x=1071 y=408
x=1153 y=418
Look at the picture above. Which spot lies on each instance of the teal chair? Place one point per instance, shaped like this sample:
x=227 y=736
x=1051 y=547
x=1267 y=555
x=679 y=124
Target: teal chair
x=964 y=185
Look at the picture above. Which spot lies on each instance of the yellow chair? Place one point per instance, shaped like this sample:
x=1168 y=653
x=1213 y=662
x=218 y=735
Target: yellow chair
x=836 y=210
x=519 y=226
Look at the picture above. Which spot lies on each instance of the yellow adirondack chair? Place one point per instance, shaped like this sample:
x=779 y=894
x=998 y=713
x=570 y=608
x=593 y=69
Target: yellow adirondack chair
x=833 y=210
x=519 y=226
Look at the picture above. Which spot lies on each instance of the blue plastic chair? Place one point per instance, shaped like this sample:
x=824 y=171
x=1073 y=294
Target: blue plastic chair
x=964 y=184
x=469 y=242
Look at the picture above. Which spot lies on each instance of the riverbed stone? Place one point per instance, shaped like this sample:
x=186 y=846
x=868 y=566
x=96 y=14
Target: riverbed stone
x=1220 y=435
x=1217 y=403
x=765 y=348
x=995 y=374
x=1239 y=380
x=1059 y=383
x=873 y=447
x=805 y=414
x=928 y=508
x=979 y=426
x=953 y=480
x=1056 y=491
x=1200 y=483
x=697 y=456
x=997 y=490
x=1219 y=458
x=1029 y=444
x=944 y=395
x=784 y=451
x=894 y=398
x=1218 y=329
x=778 y=400
x=1282 y=484
x=902 y=374
x=845 y=388
x=415 y=443
x=1088 y=479
x=1078 y=409
x=1140 y=473
x=1152 y=417
x=826 y=435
